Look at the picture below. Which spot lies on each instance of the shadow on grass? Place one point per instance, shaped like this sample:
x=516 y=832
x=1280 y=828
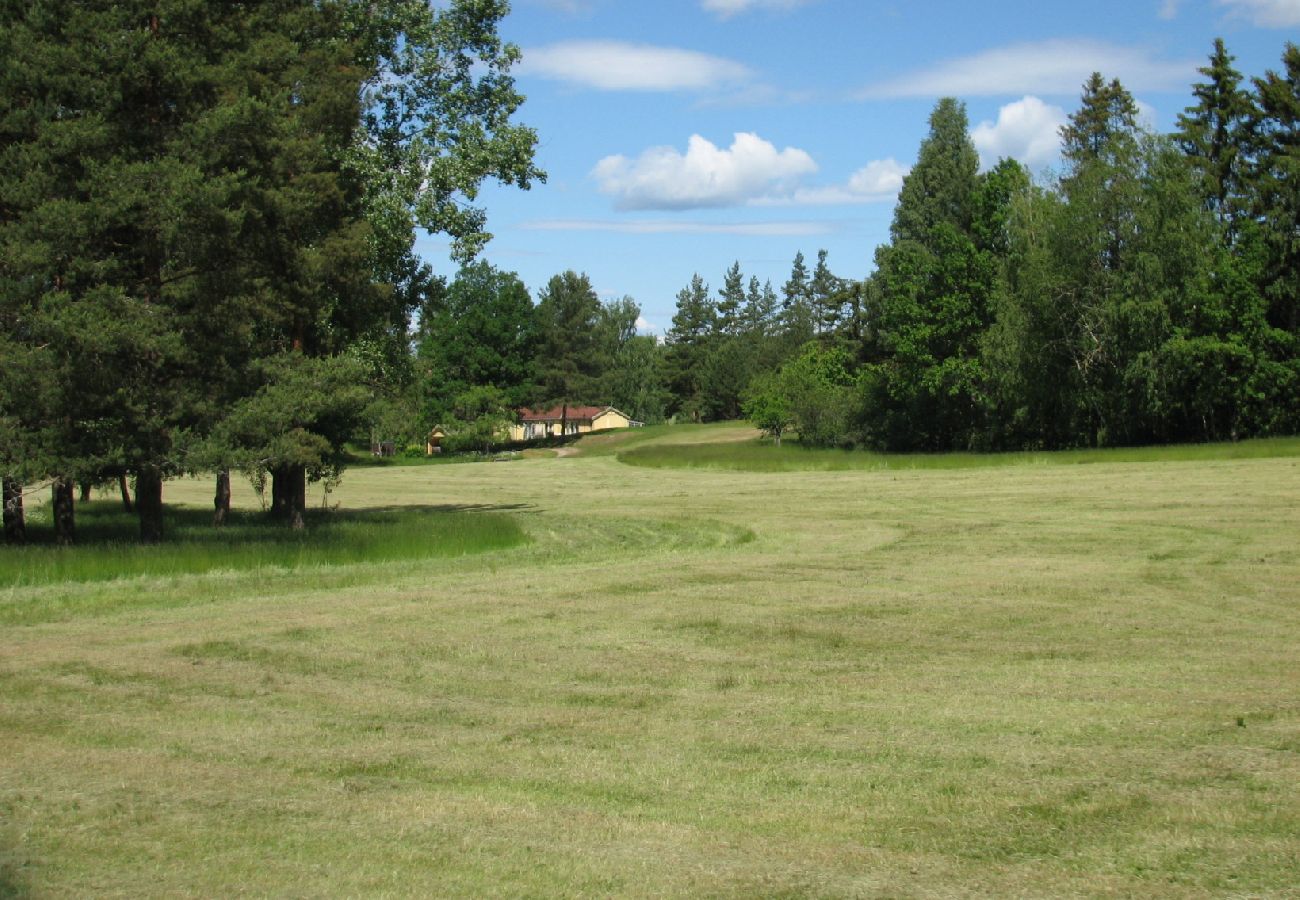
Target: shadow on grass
x=12 y=886
x=107 y=545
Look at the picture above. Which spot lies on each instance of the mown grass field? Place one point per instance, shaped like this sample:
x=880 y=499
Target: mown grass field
x=1028 y=680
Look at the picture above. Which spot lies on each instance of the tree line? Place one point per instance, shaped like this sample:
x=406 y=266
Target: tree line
x=207 y=214
x=482 y=350
x=1146 y=293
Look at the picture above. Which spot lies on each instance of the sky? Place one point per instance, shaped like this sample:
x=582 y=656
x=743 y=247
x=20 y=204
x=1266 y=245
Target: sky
x=680 y=136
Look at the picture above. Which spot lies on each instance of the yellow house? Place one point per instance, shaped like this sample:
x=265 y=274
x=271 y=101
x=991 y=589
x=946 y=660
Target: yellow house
x=534 y=423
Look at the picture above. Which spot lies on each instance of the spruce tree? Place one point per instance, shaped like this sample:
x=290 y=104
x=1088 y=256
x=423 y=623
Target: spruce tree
x=1275 y=178
x=1107 y=115
x=937 y=191
x=931 y=290
x=1214 y=133
x=798 y=325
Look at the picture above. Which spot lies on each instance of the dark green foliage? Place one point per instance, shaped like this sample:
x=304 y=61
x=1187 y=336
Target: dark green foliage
x=1214 y=134
x=1275 y=183
x=938 y=189
x=477 y=419
x=479 y=332
x=188 y=190
x=1134 y=308
x=827 y=297
x=300 y=415
x=798 y=321
x=634 y=380
x=767 y=405
x=689 y=343
x=1105 y=121
x=569 y=352
x=814 y=390
x=934 y=285
x=731 y=300
x=631 y=380
x=1129 y=302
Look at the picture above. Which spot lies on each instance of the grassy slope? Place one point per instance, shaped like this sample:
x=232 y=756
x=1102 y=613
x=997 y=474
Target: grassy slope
x=1023 y=680
x=731 y=447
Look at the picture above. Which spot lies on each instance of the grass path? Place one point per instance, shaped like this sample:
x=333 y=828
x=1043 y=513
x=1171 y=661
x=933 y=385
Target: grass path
x=1032 y=681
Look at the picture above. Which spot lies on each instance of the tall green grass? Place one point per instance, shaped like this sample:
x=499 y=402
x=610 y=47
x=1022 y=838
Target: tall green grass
x=763 y=456
x=106 y=547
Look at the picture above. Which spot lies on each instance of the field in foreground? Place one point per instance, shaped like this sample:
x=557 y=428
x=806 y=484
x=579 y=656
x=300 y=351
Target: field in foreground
x=1030 y=680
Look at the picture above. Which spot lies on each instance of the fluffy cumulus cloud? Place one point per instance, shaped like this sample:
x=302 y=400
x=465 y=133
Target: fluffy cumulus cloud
x=1028 y=130
x=727 y=8
x=1267 y=13
x=1057 y=67
x=623 y=66
x=877 y=182
x=705 y=175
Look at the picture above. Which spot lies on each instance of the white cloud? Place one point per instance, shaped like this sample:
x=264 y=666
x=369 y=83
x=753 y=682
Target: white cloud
x=877 y=182
x=1057 y=67
x=725 y=9
x=1169 y=10
x=645 y=326
x=1266 y=13
x=1027 y=130
x=623 y=66
x=705 y=176
x=667 y=226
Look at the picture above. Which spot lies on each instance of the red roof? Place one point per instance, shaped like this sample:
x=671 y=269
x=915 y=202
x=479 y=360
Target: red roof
x=556 y=414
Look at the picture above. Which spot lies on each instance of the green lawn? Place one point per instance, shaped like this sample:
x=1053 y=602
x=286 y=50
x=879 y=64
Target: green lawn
x=1024 y=680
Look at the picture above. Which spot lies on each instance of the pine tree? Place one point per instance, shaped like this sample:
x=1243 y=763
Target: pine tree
x=759 y=313
x=827 y=297
x=689 y=341
x=568 y=351
x=731 y=301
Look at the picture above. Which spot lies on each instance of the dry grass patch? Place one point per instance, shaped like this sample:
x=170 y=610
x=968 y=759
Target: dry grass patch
x=1035 y=681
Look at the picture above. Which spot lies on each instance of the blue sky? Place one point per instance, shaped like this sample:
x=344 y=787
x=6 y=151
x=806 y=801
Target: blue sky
x=682 y=135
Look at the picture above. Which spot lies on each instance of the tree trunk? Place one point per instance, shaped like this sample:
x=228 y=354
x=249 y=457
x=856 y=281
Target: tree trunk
x=279 y=493
x=85 y=492
x=289 y=495
x=14 y=521
x=222 y=499
x=148 y=504
x=65 y=517
x=126 y=492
